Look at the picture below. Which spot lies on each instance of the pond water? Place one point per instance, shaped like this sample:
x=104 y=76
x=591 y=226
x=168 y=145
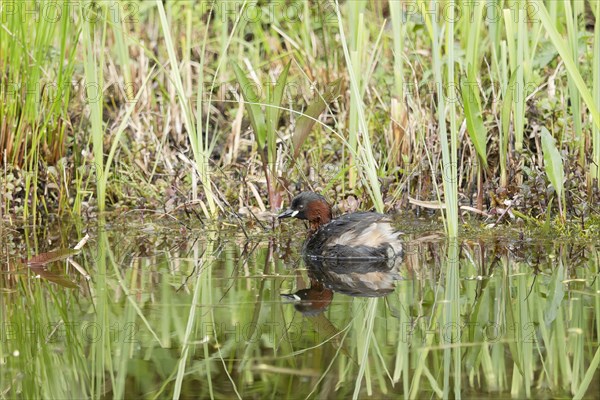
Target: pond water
x=150 y=308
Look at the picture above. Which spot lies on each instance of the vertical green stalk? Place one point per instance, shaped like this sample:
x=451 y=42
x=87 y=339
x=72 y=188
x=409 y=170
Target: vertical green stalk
x=402 y=365
x=94 y=77
x=399 y=30
x=436 y=52
x=364 y=340
x=570 y=63
x=358 y=39
x=368 y=165
x=205 y=262
x=573 y=34
x=524 y=340
x=307 y=28
x=449 y=146
x=507 y=99
x=575 y=343
x=516 y=49
x=452 y=198
x=473 y=23
x=493 y=17
x=451 y=328
x=193 y=125
x=595 y=167
x=100 y=356
x=398 y=108
x=452 y=311
x=121 y=48
x=519 y=110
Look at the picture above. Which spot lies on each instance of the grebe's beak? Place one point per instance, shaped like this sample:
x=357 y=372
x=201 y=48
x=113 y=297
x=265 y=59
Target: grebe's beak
x=291 y=297
x=287 y=214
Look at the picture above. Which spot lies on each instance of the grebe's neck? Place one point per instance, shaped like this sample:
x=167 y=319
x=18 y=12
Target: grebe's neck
x=318 y=214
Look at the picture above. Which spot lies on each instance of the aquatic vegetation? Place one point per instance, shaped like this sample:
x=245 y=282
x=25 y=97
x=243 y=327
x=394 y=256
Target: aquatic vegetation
x=199 y=119
x=172 y=313
x=167 y=115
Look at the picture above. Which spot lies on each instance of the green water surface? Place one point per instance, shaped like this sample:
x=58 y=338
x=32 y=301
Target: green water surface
x=170 y=309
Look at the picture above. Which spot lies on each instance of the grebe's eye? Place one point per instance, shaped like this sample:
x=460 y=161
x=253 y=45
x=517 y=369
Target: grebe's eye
x=301 y=206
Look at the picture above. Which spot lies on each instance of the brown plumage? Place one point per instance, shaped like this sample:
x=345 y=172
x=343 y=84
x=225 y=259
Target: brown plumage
x=360 y=235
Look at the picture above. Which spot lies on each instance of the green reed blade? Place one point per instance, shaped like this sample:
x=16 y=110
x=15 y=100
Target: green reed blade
x=255 y=113
x=553 y=164
x=570 y=64
x=473 y=115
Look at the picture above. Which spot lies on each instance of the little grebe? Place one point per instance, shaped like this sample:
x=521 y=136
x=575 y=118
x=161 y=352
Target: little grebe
x=311 y=301
x=374 y=277
x=365 y=235
x=352 y=277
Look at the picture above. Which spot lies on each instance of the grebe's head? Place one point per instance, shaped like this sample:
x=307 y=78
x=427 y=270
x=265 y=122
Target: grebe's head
x=311 y=301
x=309 y=206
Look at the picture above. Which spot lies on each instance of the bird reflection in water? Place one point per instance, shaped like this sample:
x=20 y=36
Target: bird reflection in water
x=374 y=277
